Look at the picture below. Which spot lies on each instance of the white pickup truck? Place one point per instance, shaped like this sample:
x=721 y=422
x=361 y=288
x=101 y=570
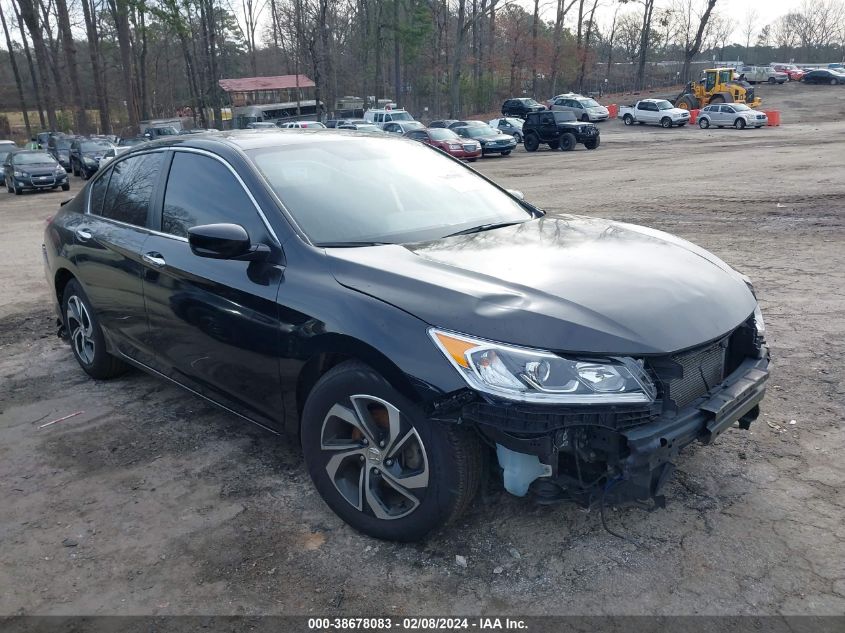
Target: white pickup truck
x=655 y=112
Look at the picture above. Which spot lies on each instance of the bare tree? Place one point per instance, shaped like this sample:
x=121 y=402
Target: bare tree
x=750 y=22
x=29 y=15
x=16 y=73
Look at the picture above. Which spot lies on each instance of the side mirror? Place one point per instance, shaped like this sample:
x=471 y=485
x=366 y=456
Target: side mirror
x=225 y=241
x=516 y=193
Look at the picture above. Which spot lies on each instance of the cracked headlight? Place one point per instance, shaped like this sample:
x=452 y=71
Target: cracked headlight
x=529 y=375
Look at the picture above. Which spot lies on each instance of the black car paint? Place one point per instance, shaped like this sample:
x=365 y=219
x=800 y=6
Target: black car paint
x=518 y=107
x=548 y=130
x=255 y=336
x=493 y=143
x=40 y=176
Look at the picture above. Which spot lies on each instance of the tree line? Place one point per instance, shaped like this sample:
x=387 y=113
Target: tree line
x=113 y=63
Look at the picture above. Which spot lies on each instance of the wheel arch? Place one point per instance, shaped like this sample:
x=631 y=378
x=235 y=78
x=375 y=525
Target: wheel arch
x=61 y=279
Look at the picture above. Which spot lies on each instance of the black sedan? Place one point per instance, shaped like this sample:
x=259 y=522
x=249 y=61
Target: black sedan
x=824 y=76
x=492 y=141
x=406 y=319
x=86 y=154
x=33 y=170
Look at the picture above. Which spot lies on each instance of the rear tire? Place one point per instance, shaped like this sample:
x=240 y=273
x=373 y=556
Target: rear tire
x=362 y=440
x=717 y=99
x=531 y=142
x=568 y=142
x=628 y=119
x=18 y=190
x=86 y=335
x=585 y=118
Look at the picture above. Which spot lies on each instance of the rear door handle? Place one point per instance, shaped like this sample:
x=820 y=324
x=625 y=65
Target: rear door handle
x=83 y=234
x=154 y=259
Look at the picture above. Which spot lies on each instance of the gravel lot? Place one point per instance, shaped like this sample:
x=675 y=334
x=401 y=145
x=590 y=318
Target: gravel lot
x=153 y=502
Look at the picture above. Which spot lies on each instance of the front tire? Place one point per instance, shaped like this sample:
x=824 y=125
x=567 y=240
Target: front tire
x=833 y=82
x=379 y=463
x=567 y=142
x=594 y=144
x=507 y=153
x=739 y=124
x=86 y=335
x=66 y=186
x=666 y=122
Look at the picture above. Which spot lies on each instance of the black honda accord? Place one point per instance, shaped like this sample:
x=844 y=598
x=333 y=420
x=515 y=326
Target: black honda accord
x=414 y=325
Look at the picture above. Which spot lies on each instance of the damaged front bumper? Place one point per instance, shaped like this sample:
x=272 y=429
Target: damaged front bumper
x=619 y=453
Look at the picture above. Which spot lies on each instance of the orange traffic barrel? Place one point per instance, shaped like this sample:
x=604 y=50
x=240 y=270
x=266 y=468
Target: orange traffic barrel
x=613 y=110
x=774 y=117
x=693 y=115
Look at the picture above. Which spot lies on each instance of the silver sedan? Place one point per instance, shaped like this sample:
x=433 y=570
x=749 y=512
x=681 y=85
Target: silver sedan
x=736 y=115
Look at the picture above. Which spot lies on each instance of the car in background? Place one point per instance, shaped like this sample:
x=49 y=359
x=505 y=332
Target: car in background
x=654 y=112
x=491 y=141
x=43 y=137
x=86 y=154
x=762 y=74
x=736 y=115
x=158 y=131
x=508 y=125
x=33 y=170
x=113 y=153
x=792 y=71
x=401 y=127
x=468 y=123
x=584 y=108
x=59 y=148
x=521 y=106
x=361 y=127
x=381 y=116
x=824 y=76
x=262 y=125
x=334 y=123
x=442 y=123
x=132 y=142
x=837 y=66
x=559 y=130
x=6 y=148
x=448 y=141
x=302 y=125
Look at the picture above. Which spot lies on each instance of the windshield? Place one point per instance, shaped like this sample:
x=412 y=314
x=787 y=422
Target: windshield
x=3 y=154
x=37 y=158
x=343 y=189
x=442 y=134
x=563 y=117
x=94 y=146
x=529 y=102
x=476 y=131
x=401 y=116
x=664 y=105
x=589 y=103
x=414 y=125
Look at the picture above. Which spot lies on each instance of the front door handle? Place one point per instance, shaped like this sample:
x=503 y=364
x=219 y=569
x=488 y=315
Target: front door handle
x=154 y=259
x=83 y=234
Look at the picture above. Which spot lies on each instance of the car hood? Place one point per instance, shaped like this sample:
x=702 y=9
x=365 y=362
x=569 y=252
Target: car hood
x=569 y=284
x=675 y=112
x=490 y=137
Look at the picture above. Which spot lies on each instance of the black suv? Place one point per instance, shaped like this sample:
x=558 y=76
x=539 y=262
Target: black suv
x=86 y=154
x=560 y=130
x=521 y=107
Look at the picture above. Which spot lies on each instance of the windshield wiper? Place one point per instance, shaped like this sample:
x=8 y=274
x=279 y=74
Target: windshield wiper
x=349 y=244
x=484 y=227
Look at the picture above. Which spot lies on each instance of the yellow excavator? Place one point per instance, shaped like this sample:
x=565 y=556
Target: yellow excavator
x=717 y=85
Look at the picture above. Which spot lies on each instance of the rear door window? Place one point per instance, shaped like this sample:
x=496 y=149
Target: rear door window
x=131 y=185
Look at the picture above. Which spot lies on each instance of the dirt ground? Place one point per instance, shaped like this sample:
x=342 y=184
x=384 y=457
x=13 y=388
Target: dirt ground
x=153 y=502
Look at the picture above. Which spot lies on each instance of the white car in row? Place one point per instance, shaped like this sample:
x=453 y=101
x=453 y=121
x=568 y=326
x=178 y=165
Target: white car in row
x=584 y=108
x=655 y=112
x=736 y=115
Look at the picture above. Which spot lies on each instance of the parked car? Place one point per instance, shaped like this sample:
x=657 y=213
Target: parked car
x=654 y=112
x=262 y=125
x=59 y=148
x=34 y=170
x=762 y=74
x=521 y=107
x=333 y=123
x=157 y=131
x=441 y=123
x=381 y=116
x=448 y=141
x=737 y=115
x=491 y=141
x=303 y=125
x=508 y=125
x=584 y=108
x=792 y=71
x=362 y=127
x=401 y=127
x=824 y=76
x=558 y=130
x=131 y=142
x=426 y=321
x=85 y=156
x=6 y=148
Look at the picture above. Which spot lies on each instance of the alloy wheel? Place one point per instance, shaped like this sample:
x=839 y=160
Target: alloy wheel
x=81 y=329
x=378 y=462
